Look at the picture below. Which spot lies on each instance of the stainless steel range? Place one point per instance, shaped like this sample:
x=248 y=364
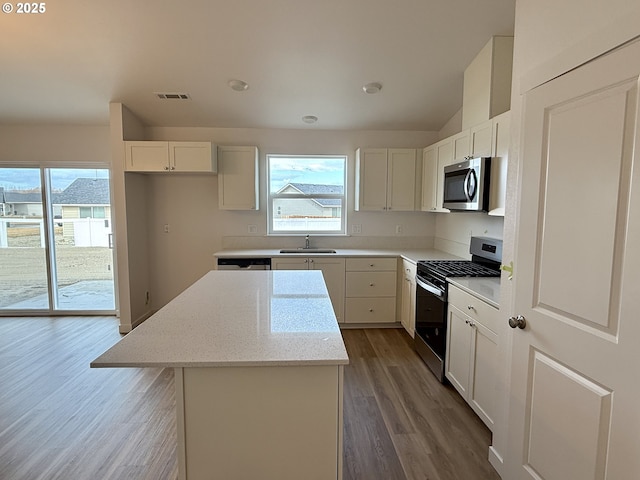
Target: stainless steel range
x=431 y=297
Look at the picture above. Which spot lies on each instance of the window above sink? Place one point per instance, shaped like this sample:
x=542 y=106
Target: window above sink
x=306 y=195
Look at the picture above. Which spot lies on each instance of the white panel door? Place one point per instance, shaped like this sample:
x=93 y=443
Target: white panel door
x=574 y=380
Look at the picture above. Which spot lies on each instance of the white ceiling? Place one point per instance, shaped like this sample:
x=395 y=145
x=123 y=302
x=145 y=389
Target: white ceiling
x=300 y=57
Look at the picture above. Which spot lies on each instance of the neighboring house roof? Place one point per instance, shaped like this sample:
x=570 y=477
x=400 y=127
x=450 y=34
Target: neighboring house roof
x=314 y=189
x=85 y=191
x=20 y=197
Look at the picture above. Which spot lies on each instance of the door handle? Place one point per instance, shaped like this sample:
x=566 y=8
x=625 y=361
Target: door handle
x=470 y=182
x=517 y=322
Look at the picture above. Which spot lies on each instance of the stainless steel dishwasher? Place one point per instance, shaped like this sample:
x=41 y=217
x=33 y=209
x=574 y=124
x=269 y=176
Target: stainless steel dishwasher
x=244 y=264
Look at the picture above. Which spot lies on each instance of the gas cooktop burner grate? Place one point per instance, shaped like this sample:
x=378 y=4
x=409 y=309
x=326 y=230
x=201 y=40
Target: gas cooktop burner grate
x=458 y=268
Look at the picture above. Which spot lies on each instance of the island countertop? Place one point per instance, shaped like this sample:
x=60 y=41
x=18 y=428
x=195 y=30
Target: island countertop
x=229 y=318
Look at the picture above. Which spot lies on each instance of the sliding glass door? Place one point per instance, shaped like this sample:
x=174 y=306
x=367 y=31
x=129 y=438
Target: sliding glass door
x=23 y=262
x=55 y=241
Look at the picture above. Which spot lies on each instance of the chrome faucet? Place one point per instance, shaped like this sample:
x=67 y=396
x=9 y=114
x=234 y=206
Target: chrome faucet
x=306 y=242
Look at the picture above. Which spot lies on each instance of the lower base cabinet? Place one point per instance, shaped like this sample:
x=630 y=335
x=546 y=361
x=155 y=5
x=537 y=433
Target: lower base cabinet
x=332 y=269
x=408 y=297
x=371 y=290
x=472 y=352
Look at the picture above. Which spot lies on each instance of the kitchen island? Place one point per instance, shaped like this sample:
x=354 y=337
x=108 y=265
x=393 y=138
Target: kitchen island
x=258 y=359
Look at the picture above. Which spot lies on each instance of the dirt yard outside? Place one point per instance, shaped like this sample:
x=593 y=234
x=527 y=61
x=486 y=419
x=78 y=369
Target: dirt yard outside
x=23 y=273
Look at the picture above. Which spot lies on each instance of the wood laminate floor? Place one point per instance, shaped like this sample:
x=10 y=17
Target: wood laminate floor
x=59 y=419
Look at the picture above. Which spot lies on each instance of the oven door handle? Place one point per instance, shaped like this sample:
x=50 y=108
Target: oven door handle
x=430 y=288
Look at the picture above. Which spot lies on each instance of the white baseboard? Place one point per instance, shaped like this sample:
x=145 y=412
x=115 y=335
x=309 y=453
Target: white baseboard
x=496 y=461
x=125 y=328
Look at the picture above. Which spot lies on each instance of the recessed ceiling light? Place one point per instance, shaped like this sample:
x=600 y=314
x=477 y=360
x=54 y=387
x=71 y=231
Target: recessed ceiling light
x=309 y=119
x=372 y=88
x=238 y=85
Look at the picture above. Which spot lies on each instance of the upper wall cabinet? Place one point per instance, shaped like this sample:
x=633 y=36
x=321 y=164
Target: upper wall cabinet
x=487 y=82
x=238 y=178
x=434 y=159
x=386 y=179
x=474 y=142
x=428 y=202
x=460 y=145
x=170 y=157
x=488 y=139
x=480 y=140
x=499 y=162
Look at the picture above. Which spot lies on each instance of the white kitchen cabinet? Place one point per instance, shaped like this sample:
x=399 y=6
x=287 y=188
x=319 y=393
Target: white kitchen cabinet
x=480 y=140
x=473 y=142
x=499 y=163
x=428 y=201
x=238 y=178
x=461 y=142
x=408 y=297
x=290 y=263
x=371 y=290
x=333 y=271
x=159 y=156
x=434 y=159
x=487 y=139
x=386 y=179
x=472 y=352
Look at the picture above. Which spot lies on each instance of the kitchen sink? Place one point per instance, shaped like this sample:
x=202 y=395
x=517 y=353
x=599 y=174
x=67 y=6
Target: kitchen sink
x=307 y=250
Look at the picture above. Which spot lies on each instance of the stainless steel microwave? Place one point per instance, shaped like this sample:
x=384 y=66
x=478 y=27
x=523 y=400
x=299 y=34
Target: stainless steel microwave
x=466 y=185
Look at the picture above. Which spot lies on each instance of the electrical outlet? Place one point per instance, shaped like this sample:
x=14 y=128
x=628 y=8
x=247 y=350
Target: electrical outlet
x=356 y=228
x=166 y=228
x=399 y=229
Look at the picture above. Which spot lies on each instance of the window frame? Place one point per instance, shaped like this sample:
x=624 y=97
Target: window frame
x=291 y=196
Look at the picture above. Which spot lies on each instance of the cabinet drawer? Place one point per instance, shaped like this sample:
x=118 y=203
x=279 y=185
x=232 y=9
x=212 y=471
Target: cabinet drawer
x=368 y=264
x=370 y=310
x=474 y=308
x=371 y=284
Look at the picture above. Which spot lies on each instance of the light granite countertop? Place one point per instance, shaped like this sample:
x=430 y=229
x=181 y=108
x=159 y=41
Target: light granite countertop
x=412 y=255
x=231 y=318
x=486 y=289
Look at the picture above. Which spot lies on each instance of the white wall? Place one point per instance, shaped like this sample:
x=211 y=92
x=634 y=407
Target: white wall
x=453 y=126
x=553 y=37
x=54 y=143
x=454 y=230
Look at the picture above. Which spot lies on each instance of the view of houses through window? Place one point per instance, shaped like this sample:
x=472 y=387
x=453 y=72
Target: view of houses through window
x=306 y=194
x=77 y=272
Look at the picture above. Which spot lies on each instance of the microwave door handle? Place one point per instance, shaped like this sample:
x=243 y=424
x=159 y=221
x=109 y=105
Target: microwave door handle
x=470 y=184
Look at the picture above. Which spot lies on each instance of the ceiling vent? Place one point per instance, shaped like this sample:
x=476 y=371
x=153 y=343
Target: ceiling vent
x=172 y=96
